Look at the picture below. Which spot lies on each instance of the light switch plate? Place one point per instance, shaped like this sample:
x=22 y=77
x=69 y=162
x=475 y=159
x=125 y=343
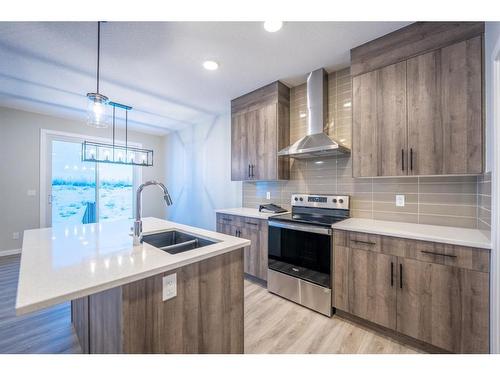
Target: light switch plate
x=31 y=193
x=15 y=235
x=169 y=286
x=268 y=195
x=400 y=200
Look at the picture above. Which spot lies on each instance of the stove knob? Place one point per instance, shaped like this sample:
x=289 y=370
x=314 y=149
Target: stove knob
x=301 y=199
x=296 y=199
x=341 y=201
x=334 y=200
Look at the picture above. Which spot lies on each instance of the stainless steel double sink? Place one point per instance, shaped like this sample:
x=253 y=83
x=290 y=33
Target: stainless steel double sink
x=175 y=242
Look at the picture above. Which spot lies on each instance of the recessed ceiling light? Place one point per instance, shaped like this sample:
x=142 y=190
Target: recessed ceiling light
x=273 y=26
x=211 y=65
x=348 y=104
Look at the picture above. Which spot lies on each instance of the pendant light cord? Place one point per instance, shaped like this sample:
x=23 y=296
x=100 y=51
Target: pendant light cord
x=98 y=51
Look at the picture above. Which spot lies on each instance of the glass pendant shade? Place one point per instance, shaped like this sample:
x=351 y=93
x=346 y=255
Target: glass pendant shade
x=97 y=108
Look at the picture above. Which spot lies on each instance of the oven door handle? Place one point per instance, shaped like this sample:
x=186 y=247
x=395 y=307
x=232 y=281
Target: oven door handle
x=301 y=227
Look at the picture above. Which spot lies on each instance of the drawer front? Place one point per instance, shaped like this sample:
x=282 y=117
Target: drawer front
x=364 y=241
x=449 y=255
x=228 y=219
x=242 y=221
x=251 y=223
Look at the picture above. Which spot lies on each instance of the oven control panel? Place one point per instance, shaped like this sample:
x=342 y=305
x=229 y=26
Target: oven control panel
x=321 y=201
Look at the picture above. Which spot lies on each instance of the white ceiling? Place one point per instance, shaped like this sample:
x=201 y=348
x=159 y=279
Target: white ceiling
x=48 y=67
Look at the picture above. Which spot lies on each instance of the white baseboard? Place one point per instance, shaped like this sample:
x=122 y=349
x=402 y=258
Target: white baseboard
x=4 y=253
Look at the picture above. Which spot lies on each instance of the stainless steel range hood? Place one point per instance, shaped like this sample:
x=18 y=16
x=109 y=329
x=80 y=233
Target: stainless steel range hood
x=316 y=143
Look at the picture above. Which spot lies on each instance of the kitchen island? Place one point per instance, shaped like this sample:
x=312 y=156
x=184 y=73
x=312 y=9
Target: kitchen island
x=125 y=298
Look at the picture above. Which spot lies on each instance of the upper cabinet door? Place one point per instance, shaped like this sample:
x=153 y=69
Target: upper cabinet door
x=239 y=153
x=425 y=126
x=379 y=122
x=265 y=159
x=461 y=80
x=364 y=125
x=445 y=110
x=391 y=130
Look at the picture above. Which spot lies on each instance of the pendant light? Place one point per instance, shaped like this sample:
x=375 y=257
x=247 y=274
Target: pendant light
x=96 y=102
x=117 y=154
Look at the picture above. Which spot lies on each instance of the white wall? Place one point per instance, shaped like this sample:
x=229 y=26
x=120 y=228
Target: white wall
x=492 y=38
x=198 y=172
x=492 y=63
x=20 y=168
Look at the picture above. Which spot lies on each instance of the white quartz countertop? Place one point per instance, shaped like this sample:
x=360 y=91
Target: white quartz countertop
x=247 y=212
x=424 y=232
x=65 y=263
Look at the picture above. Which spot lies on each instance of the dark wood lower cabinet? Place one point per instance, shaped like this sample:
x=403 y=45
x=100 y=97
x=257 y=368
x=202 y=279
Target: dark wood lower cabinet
x=444 y=306
x=435 y=293
x=371 y=295
x=255 y=230
x=206 y=316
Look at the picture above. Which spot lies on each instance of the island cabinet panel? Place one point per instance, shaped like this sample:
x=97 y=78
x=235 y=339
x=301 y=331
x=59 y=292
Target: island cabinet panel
x=255 y=230
x=80 y=320
x=260 y=127
x=105 y=317
x=433 y=293
x=206 y=315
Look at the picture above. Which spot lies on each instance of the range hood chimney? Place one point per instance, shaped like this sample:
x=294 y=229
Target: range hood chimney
x=316 y=143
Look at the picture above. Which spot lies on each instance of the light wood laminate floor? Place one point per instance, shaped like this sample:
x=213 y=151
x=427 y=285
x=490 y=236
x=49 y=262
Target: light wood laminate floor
x=276 y=325
x=272 y=325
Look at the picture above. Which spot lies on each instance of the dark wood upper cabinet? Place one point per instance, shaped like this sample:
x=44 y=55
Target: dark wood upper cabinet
x=422 y=114
x=425 y=125
x=445 y=124
x=461 y=97
x=379 y=122
x=260 y=127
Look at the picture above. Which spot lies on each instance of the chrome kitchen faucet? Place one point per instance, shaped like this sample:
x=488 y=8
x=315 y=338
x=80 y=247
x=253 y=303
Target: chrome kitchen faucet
x=138 y=201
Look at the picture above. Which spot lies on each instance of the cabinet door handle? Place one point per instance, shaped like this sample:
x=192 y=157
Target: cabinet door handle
x=392 y=274
x=434 y=253
x=400 y=276
x=249 y=175
x=411 y=159
x=227 y=219
x=402 y=159
x=365 y=242
x=249 y=223
x=252 y=175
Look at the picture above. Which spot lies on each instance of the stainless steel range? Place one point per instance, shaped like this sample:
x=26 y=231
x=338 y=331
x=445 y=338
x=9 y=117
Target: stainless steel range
x=300 y=248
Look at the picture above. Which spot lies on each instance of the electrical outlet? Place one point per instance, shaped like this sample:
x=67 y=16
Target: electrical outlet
x=268 y=195
x=400 y=200
x=15 y=235
x=169 y=286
